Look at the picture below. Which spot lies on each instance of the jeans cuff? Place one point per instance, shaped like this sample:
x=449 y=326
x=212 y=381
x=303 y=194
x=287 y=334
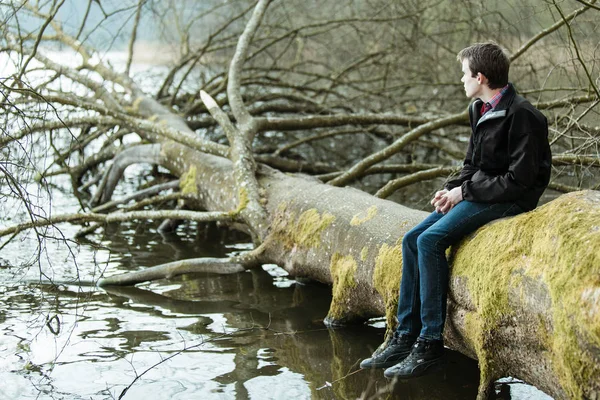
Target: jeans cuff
x=431 y=337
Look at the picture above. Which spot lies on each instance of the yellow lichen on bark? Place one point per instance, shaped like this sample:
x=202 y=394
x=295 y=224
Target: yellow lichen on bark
x=562 y=253
x=343 y=270
x=309 y=226
x=364 y=253
x=187 y=182
x=361 y=218
x=242 y=202
x=386 y=279
x=242 y=199
x=135 y=106
x=304 y=231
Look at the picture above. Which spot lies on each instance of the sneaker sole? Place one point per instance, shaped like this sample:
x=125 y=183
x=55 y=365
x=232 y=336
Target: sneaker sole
x=419 y=370
x=385 y=364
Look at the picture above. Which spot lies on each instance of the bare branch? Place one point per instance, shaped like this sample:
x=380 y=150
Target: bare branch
x=121 y=217
x=138 y=15
x=49 y=18
x=219 y=116
x=383 y=169
x=588 y=4
x=579 y=58
x=233 y=85
x=138 y=195
x=546 y=32
x=420 y=176
x=326 y=121
x=244 y=168
x=574 y=159
x=320 y=136
x=288 y=165
x=559 y=187
x=395 y=147
x=569 y=101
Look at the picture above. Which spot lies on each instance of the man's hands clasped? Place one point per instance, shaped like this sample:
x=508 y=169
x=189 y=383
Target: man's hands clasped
x=444 y=200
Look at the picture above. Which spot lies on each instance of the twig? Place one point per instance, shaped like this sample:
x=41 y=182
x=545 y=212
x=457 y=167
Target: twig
x=138 y=195
x=420 y=176
x=546 y=32
x=51 y=16
x=163 y=360
x=329 y=384
x=590 y=5
x=136 y=23
x=587 y=73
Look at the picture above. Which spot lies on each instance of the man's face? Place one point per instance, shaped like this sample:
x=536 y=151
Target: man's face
x=471 y=84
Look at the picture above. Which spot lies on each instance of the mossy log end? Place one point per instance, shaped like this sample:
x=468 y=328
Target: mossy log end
x=525 y=297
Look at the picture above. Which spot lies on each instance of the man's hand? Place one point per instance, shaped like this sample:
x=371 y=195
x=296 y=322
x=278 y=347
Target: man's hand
x=449 y=200
x=439 y=200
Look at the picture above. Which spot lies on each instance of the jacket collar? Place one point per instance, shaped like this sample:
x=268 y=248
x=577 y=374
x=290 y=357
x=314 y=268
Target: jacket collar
x=498 y=112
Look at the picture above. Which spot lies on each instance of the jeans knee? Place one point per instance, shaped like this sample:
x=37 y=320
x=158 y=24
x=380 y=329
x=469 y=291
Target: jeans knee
x=428 y=240
x=410 y=239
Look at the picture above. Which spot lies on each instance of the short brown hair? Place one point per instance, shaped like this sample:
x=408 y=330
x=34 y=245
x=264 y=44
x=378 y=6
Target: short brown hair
x=490 y=59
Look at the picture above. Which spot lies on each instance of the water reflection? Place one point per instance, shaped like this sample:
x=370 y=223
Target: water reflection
x=279 y=333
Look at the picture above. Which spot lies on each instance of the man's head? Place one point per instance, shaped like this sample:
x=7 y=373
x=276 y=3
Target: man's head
x=487 y=64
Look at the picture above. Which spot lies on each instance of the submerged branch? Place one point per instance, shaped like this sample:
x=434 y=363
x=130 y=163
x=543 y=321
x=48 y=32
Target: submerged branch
x=231 y=265
x=138 y=195
x=169 y=270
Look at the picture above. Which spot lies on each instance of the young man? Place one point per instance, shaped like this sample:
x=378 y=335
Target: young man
x=505 y=171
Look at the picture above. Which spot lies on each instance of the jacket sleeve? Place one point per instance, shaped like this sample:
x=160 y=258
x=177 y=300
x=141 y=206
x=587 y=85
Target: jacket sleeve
x=526 y=134
x=468 y=169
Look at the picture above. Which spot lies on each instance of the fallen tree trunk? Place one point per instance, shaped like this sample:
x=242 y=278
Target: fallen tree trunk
x=524 y=292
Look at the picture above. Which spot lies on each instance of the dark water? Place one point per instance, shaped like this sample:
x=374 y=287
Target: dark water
x=254 y=335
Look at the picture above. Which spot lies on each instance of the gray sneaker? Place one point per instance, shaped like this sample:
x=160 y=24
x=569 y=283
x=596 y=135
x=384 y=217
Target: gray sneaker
x=425 y=355
x=394 y=351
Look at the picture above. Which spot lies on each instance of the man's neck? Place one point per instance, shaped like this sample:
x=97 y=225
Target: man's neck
x=488 y=93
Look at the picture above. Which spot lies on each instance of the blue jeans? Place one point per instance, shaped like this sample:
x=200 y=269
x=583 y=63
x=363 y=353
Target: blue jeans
x=424 y=286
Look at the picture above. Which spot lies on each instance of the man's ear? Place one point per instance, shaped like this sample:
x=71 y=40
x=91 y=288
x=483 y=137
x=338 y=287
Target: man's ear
x=481 y=79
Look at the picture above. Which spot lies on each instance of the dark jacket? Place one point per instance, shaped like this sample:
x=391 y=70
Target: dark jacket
x=508 y=158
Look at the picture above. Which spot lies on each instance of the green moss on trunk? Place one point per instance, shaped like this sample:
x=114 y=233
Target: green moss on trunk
x=361 y=218
x=386 y=279
x=364 y=253
x=304 y=231
x=242 y=200
x=343 y=270
x=187 y=182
